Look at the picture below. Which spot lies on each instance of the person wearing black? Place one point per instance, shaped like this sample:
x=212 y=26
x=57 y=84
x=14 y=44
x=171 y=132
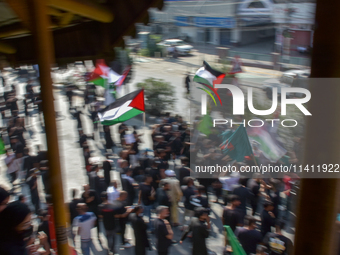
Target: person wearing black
x=199 y=200
x=109 y=144
x=267 y=218
x=77 y=116
x=163 y=231
x=154 y=172
x=139 y=229
x=43 y=226
x=244 y=194
x=122 y=131
x=185 y=170
x=44 y=171
x=33 y=185
x=91 y=199
x=129 y=186
x=107 y=167
x=72 y=206
x=69 y=94
x=122 y=214
x=107 y=212
x=277 y=243
x=254 y=186
x=187 y=83
x=274 y=195
x=87 y=156
x=27 y=162
x=248 y=236
x=147 y=197
x=232 y=216
x=188 y=191
x=176 y=143
x=200 y=226
x=15 y=229
x=94 y=180
x=162 y=197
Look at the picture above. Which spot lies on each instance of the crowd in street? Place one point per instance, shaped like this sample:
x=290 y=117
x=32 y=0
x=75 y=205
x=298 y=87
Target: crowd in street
x=151 y=187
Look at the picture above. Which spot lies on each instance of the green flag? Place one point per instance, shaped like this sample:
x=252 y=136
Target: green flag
x=205 y=125
x=2 y=147
x=237 y=145
x=234 y=243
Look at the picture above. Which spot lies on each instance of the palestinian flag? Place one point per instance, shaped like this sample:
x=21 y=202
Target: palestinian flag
x=123 y=108
x=237 y=145
x=121 y=79
x=267 y=143
x=100 y=74
x=208 y=77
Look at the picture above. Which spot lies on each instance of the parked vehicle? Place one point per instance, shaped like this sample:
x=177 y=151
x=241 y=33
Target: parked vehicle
x=291 y=78
x=181 y=47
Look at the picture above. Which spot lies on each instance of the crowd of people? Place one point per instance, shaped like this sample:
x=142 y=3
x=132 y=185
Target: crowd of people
x=148 y=191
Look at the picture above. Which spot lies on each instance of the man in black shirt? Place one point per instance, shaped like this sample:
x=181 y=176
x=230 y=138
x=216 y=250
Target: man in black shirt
x=33 y=185
x=147 y=197
x=244 y=194
x=199 y=200
x=163 y=231
x=248 y=236
x=232 y=216
x=200 y=226
x=107 y=169
x=128 y=184
x=43 y=226
x=139 y=229
x=267 y=218
x=188 y=191
x=91 y=198
x=72 y=206
x=162 y=197
x=122 y=131
x=277 y=243
x=184 y=171
x=254 y=186
x=107 y=212
x=122 y=214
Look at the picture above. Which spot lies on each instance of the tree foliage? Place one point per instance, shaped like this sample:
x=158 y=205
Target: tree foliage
x=160 y=95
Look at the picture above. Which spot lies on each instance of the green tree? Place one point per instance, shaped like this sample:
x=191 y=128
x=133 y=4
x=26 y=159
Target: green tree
x=159 y=95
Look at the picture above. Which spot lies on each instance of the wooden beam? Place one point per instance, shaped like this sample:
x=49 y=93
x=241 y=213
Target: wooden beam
x=6 y=48
x=66 y=19
x=92 y=11
x=20 y=8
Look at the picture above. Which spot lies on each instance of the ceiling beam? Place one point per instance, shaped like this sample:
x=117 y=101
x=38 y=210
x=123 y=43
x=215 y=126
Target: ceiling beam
x=54 y=12
x=66 y=19
x=20 y=8
x=7 y=49
x=89 y=10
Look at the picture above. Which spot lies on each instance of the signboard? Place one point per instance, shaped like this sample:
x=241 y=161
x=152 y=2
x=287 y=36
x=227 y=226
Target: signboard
x=214 y=22
x=296 y=13
x=182 y=21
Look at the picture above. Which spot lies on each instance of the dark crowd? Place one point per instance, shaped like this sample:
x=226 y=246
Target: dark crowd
x=146 y=189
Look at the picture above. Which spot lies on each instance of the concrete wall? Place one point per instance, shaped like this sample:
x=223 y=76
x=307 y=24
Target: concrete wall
x=193 y=8
x=191 y=32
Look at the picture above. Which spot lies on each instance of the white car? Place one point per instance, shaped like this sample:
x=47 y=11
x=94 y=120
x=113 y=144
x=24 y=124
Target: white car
x=181 y=47
x=292 y=78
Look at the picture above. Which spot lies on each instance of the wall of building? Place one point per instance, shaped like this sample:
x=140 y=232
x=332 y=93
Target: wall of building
x=190 y=32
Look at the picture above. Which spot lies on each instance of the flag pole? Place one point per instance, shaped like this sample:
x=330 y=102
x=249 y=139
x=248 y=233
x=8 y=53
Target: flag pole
x=144 y=119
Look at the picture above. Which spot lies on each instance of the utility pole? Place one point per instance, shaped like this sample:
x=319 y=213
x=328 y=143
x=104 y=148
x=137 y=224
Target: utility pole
x=45 y=57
